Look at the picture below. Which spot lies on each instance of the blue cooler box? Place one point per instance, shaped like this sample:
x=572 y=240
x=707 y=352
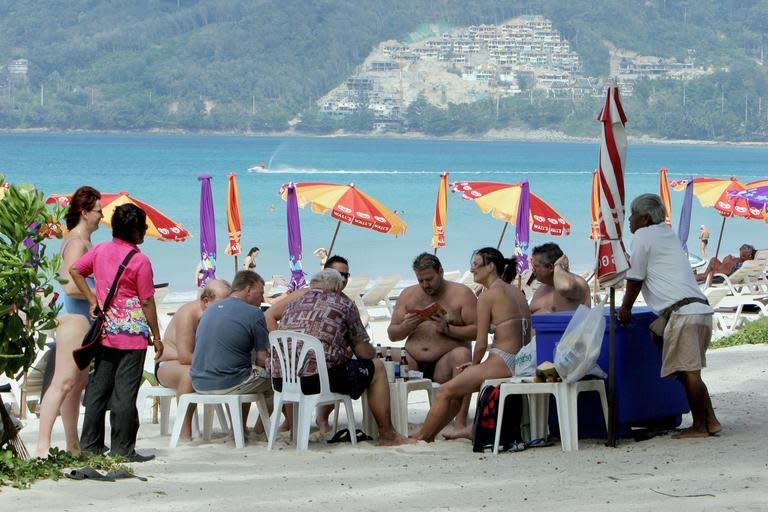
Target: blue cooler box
x=644 y=398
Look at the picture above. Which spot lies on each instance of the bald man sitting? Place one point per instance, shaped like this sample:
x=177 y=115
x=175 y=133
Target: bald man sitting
x=179 y=339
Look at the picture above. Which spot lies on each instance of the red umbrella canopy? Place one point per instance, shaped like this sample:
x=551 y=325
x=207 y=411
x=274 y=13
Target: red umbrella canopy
x=348 y=204
x=501 y=201
x=721 y=193
x=160 y=226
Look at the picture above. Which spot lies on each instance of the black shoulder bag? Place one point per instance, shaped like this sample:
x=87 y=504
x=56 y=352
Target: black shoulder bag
x=92 y=340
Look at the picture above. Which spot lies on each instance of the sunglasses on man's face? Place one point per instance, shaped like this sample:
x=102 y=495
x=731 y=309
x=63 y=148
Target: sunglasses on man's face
x=345 y=275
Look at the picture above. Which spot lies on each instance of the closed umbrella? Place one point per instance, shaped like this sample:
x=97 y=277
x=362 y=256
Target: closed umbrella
x=159 y=225
x=348 y=204
x=522 y=233
x=684 y=225
x=612 y=261
x=294 y=239
x=207 y=270
x=664 y=195
x=234 y=247
x=441 y=213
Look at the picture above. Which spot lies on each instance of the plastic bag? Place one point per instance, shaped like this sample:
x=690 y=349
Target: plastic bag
x=579 y=348
x=525 y=360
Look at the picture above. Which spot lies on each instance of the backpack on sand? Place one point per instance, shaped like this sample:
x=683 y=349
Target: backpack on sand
x=486 y=414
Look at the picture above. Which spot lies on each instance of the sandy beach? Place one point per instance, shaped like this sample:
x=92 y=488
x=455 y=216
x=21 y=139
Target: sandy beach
x=727 y=472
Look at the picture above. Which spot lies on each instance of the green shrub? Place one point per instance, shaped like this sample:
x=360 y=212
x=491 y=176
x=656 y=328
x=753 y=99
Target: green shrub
x=27 y=274
x=752 y=334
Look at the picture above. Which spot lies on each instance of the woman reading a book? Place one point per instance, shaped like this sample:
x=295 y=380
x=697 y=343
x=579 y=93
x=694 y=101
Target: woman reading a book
x=502 y=306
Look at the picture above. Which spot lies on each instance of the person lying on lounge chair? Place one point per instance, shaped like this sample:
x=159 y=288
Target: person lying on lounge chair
x=728 y=266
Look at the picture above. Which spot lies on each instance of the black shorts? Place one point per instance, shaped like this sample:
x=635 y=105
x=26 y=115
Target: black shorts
x=350 y=378
x=428 y=369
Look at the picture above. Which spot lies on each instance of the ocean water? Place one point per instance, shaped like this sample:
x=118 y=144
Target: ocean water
x=402 y=173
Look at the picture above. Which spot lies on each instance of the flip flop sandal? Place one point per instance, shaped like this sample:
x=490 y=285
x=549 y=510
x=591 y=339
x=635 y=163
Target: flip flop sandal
x=88 y=473
x=362 y=436
x=539 y=443
x=515 y=446
x=121 y=473
x=342 y=436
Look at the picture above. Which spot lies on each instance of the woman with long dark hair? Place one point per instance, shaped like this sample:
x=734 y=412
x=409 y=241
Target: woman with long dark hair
x=501 y=307
x=63 y=394
x=131 y=325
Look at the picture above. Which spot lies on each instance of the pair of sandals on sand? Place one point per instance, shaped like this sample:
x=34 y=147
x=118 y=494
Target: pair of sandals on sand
x=89 y=473
x=343 y=436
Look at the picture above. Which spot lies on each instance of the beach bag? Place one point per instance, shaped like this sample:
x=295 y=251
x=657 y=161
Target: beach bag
x=579 y=348
x=92 y=340
x=486 y=415
x=525 y=360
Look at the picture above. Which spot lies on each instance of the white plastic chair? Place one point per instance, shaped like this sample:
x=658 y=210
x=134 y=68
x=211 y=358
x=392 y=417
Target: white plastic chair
x=286 y=352
x=566 y=398
x=165 y=396
x=215 y=402
x=398 y=404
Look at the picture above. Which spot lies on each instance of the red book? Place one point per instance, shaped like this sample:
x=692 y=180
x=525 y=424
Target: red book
x=429 y=311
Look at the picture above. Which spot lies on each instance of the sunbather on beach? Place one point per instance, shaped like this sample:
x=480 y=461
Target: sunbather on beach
x=172 y=371
x=560 y=290
x=327 y=314
x=502 y=306
x=729 y=265
x=438 y=344
x=659 y=270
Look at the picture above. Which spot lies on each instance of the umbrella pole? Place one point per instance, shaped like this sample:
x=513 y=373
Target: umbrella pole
x=498 y=246
x=612 y=372
x=235 y=263
x=720 y=238
x=333 y=241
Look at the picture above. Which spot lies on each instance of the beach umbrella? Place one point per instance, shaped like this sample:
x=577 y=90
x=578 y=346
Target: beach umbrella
x=594 y=208
x=348 y=204
x=207 y=269
x=294 y=239
x=160 y=226
x=594 y=225
x=441 y=213
x=612 y=261
x=233 y=248
x=522 y=233
x=755 y=198
x=502 y=200
x=718 y=193
x=664 y=195
x=684 y=225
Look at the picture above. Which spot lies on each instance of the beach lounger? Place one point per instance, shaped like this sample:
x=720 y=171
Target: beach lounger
x=378 y=293
x=453 y=275
x=355 y=286
x=749 y=279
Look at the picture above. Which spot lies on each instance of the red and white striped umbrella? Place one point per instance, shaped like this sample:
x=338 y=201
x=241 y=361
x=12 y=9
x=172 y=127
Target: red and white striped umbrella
x=612 y=261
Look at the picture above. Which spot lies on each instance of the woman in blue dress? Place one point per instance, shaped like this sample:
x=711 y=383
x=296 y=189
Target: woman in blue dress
x=63 y=395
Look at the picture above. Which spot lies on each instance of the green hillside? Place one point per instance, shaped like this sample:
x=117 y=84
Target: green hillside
x=255 y=65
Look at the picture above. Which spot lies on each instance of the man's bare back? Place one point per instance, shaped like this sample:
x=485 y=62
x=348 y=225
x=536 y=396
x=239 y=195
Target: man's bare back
x=180 y=333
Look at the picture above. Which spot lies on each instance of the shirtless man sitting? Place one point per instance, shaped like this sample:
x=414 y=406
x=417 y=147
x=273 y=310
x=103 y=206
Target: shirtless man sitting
x=172 y=371
x=728 y=266
x=560 y=290
x=438 y=344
